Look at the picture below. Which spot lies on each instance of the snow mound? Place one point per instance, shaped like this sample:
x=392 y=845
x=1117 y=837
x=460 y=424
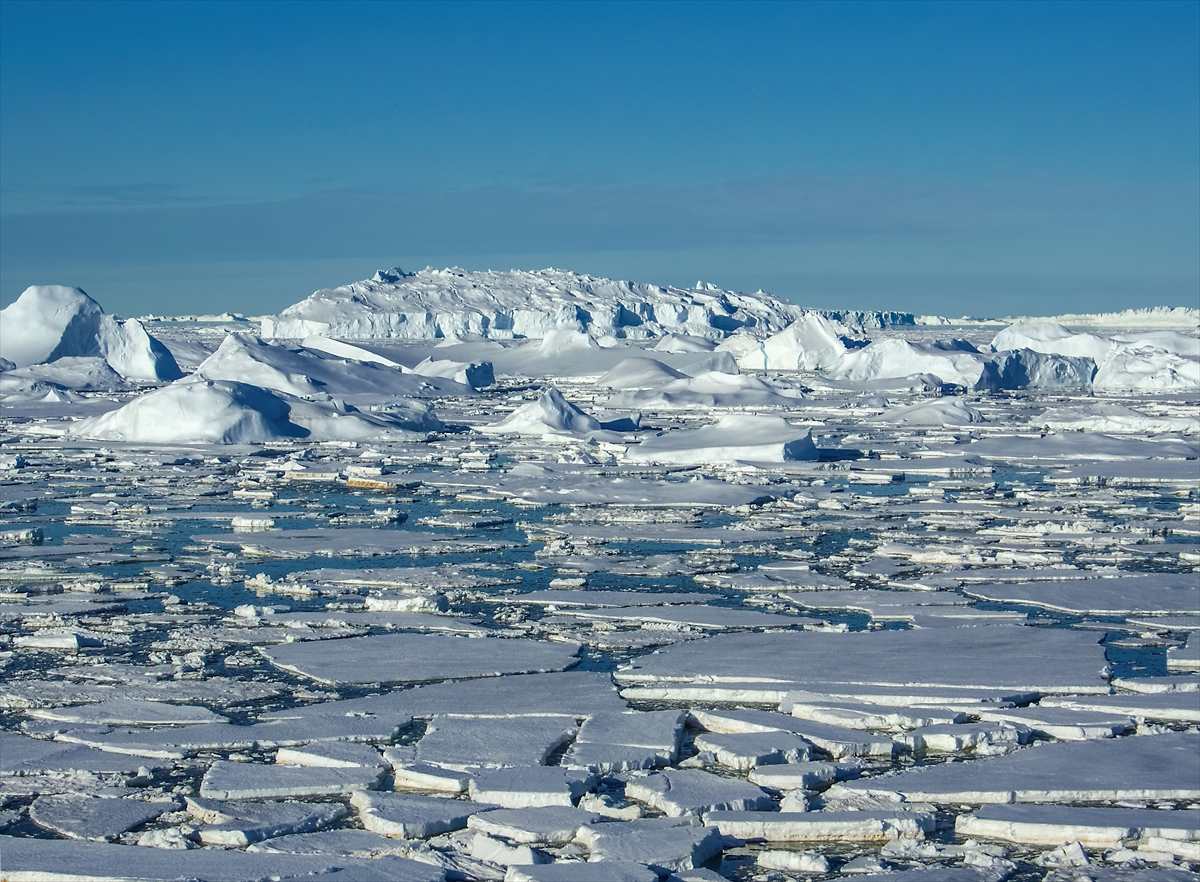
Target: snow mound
x=939 y=412
x=49 y=322
x=199 y=411
x=709 y=389
x=438 y=303
x=732 y=438
x=297 y=370
x=952 y=361
x=639 y=373
x=811 y=343
x=550 y=414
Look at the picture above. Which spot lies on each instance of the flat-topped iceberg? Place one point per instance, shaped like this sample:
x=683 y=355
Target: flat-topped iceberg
x=447 y=303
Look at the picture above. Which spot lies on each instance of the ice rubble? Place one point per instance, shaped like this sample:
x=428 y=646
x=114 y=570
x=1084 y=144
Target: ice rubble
x=49 y=322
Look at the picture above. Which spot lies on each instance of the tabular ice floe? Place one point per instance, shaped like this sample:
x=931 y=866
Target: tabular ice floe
x=543 y=576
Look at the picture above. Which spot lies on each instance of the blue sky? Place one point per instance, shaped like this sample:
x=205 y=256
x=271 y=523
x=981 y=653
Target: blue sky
x=972 y=157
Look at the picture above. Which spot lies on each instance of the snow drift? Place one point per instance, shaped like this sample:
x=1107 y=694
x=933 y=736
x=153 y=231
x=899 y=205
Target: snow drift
x=49 y=322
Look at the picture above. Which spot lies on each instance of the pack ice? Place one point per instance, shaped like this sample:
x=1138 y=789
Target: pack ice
x=542 y=576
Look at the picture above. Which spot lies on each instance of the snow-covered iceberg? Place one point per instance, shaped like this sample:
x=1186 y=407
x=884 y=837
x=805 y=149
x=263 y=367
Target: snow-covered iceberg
x=297 y=370
x=550 y=416
x=938 y=412
x=811 y=343
x=953 y=361
x=1145 y=361
x=437 y=303
x=732 y=438
x=49 y=322
x=200 y=411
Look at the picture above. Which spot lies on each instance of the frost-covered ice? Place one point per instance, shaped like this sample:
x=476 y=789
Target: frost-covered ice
x=663 y=584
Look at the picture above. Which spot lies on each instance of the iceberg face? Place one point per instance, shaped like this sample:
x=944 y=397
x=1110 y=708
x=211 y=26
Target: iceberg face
x=49 y=322
x=454 y=303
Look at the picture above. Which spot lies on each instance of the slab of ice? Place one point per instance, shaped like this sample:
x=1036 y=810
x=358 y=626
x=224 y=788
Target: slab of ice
x=570 y=871
x=38 y=860
x=749 y=750
x=468 y=743
x=986 y=657
x=679 y=792
x=1153 y=706
x=824 y=826
x=404 y=816
x=544 y=825
x=129 y=712
x=230 y=780
x=529 y=787
x=1093 y=827
x=1132 y=593
x=418 y=658
x=93 y=817
x=1137 y=767
x=238 y=824
x=667 y=845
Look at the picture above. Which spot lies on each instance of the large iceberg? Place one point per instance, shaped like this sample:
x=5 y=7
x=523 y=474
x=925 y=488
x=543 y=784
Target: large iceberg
x=449 y=303
x=1145 y=361
x=49 y=322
